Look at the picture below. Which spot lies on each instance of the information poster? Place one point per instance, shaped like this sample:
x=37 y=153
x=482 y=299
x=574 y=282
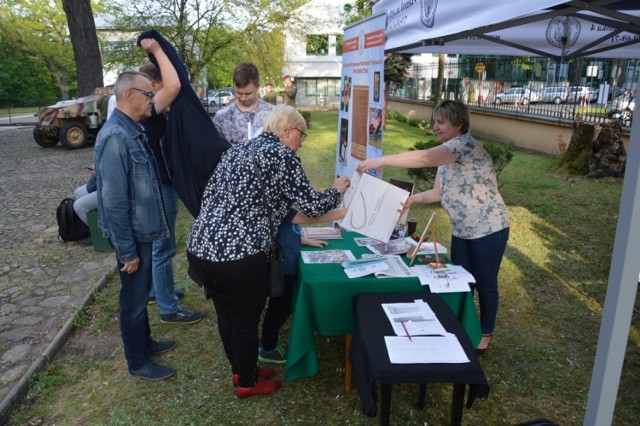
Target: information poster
x=362 y=90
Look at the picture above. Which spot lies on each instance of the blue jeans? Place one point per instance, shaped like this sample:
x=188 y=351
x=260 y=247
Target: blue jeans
x=134 y=320
x=163 y=252
x=482 y=258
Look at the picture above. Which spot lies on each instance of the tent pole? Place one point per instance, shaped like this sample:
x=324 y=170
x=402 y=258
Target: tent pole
x=620 y=296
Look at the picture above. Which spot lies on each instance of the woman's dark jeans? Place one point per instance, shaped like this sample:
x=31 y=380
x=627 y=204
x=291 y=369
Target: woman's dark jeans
x=482 y=258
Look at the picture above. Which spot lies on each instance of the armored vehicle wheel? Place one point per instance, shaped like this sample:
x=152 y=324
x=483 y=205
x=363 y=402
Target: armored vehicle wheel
x=44 y=139
x=74 y=135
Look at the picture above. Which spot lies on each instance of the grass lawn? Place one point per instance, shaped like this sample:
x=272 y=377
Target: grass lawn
x=553 y=281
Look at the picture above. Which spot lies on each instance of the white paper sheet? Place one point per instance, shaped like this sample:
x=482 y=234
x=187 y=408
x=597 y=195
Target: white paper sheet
x=365 y=269
x=456 y=279
x=415 y=318
x=425 y=350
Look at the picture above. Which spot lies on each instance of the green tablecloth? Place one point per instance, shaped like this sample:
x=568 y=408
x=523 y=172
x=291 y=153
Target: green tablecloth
x=323 y=304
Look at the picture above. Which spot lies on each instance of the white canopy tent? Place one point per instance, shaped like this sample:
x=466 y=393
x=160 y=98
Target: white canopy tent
x=559 y=29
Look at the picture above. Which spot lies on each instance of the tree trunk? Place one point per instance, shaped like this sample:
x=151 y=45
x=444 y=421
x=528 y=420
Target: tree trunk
x=596 y=150
x=84 y=39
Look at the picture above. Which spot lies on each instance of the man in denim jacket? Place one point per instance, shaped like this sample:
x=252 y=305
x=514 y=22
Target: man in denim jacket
x=131 y=216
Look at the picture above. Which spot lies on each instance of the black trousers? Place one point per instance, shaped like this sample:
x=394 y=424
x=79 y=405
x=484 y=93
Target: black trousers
x=277 y=313
x=239 y=290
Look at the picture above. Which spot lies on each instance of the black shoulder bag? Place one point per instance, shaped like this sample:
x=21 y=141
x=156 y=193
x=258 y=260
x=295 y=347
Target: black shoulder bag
x=276 y=268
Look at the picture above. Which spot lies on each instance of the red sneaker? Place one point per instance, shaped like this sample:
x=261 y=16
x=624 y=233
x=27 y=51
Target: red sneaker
x=263 y=387
x=263 y=373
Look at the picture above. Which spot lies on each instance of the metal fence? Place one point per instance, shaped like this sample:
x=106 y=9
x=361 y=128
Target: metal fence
x=596 y=90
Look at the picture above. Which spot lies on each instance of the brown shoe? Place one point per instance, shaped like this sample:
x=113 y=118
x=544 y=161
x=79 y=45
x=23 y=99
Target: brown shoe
x=263 y=387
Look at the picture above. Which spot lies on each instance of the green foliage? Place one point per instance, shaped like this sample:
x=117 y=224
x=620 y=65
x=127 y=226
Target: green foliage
x=501 y=155
x=307 y=117
x=395 y=70
x=201 y=30
x=24 y=80
x=424 y=177
x=43 y=381
x=38 y=30
x=413 y=122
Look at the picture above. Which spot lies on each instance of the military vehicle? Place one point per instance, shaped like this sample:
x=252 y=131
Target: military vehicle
x=75 y=122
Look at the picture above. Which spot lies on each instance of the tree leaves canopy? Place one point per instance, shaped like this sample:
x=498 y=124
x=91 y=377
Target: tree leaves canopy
x=202 y=30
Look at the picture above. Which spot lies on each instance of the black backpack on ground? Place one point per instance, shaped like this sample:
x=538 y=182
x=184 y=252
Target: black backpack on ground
x=70 y=226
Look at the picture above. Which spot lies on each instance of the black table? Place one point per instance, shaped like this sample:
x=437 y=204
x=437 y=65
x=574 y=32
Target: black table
x=371 y=364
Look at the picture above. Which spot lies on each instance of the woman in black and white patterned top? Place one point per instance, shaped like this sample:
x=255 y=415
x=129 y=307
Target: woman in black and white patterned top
x=467 y=189
x=232 y=234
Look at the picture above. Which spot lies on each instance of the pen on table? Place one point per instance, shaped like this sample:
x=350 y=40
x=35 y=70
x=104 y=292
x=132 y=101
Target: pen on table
x=406 y=331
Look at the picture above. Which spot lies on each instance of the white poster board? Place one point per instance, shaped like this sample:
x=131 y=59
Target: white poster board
x=360 y=118
x=373 y=208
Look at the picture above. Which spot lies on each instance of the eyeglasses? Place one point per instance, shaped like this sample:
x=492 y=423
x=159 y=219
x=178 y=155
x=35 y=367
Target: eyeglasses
x=149 y=95
x=304 y=135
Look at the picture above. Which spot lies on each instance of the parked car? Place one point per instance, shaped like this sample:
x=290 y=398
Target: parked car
x=576 y=93
x=523 y=95
x=554 y=94
x=218 y=98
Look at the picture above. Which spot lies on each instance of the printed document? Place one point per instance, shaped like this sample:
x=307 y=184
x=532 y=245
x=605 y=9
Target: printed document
x=379 y=266
x=454 y=279
x=327 y=256
x=413 y=319
x=425 y=350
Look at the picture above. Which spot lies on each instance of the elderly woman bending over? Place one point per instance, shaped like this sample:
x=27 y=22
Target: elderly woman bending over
x=231 y=236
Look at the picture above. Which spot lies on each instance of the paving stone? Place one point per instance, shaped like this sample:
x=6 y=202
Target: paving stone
x=42 y=280
x=16 y=353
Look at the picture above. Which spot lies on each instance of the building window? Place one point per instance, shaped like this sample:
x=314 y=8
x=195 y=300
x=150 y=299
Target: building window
x=317 y=44
x=311 y=87
x=339 y=45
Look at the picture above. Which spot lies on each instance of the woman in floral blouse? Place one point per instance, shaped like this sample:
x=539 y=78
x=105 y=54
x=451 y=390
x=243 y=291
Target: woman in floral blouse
x=466 y=187
x=232 y=234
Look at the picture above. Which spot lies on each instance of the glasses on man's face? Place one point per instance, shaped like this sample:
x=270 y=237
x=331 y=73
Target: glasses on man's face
x=149 y=95
x=304 y=135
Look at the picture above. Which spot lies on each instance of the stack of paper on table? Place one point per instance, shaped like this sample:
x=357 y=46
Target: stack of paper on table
x=454 y=279
x=420 y=337
x=322 y=233
x=379 y=266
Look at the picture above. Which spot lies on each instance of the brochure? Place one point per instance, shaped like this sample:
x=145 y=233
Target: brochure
x=327 y=256
x=393 y=266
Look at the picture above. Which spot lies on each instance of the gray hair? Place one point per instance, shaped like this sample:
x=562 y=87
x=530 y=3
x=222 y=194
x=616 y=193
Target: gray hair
x=284 y=117
x=125 y=81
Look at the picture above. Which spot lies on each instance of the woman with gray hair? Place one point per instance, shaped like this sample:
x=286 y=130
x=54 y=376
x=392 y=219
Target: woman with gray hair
x=228 y=246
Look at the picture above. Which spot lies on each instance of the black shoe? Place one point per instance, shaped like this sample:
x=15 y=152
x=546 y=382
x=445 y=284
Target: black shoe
x=86 y=241
x=162 y=346
x=152 y=371
x=179 y=293
x=183 y=316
